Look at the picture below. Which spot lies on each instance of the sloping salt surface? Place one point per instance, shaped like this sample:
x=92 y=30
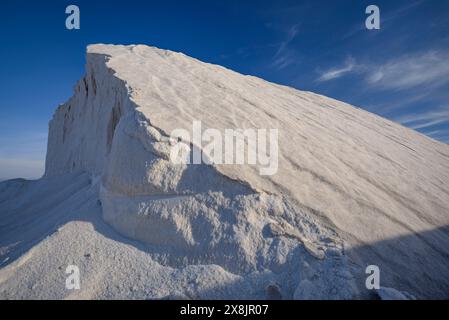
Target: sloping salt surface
x=334 y=158
x=371 y=179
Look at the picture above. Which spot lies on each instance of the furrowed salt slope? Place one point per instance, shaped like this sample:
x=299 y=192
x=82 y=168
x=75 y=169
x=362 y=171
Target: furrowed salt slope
x=352 y=189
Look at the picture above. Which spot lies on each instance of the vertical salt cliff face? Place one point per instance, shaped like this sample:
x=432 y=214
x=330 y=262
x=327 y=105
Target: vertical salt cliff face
x=352 y=189
x=82 y=129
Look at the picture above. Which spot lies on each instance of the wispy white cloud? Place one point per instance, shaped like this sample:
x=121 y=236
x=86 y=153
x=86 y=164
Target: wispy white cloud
x=424 y=69
x=284 y=56
x=285 y=59
x=435 y=133
x=386 y=108
x=428 y=69
x=337 y=72
x=291 y=34
x=425 y=119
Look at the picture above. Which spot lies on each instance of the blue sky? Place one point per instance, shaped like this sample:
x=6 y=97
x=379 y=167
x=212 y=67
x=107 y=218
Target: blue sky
x=400 y=72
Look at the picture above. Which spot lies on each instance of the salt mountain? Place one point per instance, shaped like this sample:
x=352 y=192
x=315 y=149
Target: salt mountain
x=352 y=189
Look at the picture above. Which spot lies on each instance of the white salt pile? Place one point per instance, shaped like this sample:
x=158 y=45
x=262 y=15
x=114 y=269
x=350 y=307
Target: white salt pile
x=351 y=189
